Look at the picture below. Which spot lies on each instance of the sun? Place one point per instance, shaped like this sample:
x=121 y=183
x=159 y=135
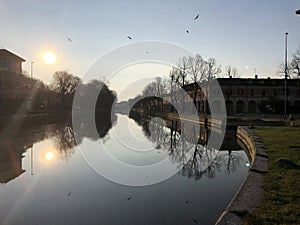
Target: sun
x=49 y=156
x=49 y=57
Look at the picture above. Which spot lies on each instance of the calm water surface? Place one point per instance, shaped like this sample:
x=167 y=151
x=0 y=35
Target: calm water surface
x=45 y=180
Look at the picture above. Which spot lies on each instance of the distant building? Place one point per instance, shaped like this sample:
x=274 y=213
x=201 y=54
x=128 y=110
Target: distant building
x=247 y=95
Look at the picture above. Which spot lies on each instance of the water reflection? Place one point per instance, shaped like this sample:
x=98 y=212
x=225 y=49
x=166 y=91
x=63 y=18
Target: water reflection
x=64 y=190
x=14 y=145
x=11 y=154
x=167 y=135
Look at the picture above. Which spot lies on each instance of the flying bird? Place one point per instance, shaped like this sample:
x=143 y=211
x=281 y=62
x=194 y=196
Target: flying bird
x=130 y=38
x=129 y=197
x=69 y=39
x=187 y=31
x=69 y=193
x=196 y=17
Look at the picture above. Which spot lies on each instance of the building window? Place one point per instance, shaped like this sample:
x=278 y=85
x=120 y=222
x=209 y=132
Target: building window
x=228 y=92
x=1 y=82
x=240 y=92
x=252 y=92
x=263 y=92
x=3 y=63
x=275 y=92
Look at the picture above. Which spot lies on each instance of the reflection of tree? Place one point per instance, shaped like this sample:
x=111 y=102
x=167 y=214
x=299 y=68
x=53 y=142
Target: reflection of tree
x=197 y=159
x=231 y=161
x=203 y=162
x=65 y=141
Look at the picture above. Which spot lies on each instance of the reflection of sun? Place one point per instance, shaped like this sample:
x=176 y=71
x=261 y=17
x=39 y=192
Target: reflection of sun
x=49 y=156
x=49 y=57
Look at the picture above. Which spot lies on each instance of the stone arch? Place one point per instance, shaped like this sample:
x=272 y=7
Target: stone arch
x=229 y=106
x=252 y=106
x=240 y=106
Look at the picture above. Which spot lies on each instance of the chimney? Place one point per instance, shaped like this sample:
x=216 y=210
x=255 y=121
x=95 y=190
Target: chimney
x=256 y=76
x=230 y=77
x=269 y=78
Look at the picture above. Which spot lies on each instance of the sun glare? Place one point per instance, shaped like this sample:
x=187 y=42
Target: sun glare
x=49 y=156
x=49 y=57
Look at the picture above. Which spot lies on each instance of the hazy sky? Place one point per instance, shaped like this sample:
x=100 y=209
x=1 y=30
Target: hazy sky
x=246 y=33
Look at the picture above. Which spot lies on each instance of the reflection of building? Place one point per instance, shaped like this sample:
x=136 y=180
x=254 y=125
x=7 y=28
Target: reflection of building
x=11 y=154
x=245 y=95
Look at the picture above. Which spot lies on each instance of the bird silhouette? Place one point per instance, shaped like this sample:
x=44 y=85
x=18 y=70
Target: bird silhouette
x=69 y=193
x=129 y=197
x=195 y=221
x=130 y=38
x=187 y=31
x=196 y=17
x=69 y=39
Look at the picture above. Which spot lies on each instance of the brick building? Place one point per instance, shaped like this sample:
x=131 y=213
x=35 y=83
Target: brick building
x=20 y=93
x=13 y=84
x=247 y=95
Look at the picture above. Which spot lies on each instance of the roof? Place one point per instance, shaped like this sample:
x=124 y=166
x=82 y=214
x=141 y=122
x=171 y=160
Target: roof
x=259 y=81
x=8 y=53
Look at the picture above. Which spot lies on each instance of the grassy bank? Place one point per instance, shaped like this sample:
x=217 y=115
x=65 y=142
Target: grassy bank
x=281 y=202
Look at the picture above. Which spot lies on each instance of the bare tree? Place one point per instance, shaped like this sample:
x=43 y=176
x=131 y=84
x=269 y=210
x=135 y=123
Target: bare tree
x=213 y=69
x=64 y=82
x=281 y=69
x=197 y=68
x=295 y=64
x=183 y=66
x=231 y=71
x=154 y=93
x=198 y=71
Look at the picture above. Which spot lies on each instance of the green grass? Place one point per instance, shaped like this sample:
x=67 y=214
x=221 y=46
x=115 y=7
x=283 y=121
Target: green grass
x=281 y=202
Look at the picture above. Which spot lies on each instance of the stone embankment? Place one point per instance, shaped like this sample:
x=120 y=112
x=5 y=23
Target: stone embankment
x=250 y=193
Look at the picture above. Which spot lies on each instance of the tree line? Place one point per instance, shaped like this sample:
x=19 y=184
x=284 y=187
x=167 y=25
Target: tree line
x=195 y=69
x=185 y=74
x=59 y=94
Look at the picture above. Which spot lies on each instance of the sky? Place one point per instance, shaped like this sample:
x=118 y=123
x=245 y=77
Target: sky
x=246 y=34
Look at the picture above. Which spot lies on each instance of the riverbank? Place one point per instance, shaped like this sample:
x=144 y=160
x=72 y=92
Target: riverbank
x=250 y=194
x=232 y=121
x=281 y=200
x=10 y=124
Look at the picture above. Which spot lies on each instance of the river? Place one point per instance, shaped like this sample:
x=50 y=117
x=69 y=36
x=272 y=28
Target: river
x=48 y=176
